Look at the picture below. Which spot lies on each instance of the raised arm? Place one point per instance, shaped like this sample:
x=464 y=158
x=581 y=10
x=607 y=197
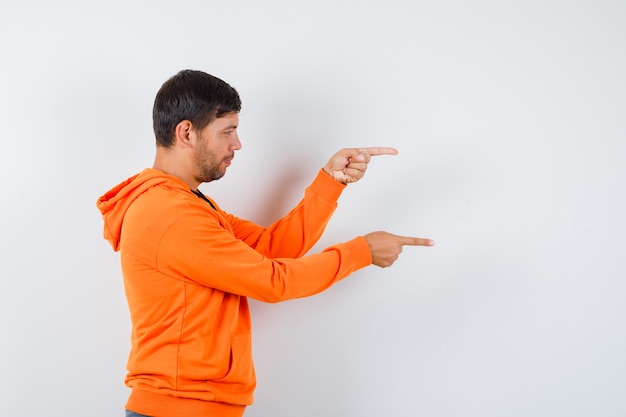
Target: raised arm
x=297 y=232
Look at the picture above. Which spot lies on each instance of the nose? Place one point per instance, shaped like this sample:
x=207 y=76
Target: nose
x=236 y=144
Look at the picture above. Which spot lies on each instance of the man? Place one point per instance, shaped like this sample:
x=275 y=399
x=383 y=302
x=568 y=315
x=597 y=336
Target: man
x=189 y=267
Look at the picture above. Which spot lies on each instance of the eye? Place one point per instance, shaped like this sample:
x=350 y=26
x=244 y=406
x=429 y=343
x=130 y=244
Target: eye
x=228 y=132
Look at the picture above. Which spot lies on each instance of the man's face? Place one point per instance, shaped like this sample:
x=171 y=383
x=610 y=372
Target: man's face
x=215 y=148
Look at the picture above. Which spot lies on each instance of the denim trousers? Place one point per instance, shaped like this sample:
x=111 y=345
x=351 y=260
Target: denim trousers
x=133 y=414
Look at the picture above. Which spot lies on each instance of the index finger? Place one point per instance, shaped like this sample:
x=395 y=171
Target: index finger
x=379 y=151
x=416 y=241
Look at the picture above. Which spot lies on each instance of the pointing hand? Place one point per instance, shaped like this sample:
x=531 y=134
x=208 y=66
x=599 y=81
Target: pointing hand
x=349 y=165
x=386 y=247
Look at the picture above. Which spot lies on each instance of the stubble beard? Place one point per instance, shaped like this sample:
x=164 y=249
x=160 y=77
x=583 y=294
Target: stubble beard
x=208 y=168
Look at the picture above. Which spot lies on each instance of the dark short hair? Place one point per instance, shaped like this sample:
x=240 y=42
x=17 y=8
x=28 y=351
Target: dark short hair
x=191 y=95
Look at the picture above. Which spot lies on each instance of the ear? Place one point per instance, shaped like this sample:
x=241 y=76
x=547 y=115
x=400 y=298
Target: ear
x=184 y=134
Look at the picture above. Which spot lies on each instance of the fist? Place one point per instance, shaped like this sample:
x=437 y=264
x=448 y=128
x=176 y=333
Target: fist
x=349 y=165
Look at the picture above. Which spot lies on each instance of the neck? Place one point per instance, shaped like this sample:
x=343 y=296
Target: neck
x=173 y=163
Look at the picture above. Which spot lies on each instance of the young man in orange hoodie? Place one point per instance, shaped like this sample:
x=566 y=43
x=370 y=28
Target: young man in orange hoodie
x=189 y=267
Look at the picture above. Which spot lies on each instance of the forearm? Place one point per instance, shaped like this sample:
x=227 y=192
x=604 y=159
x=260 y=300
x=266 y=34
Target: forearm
x=236 y=268
x=296 y=233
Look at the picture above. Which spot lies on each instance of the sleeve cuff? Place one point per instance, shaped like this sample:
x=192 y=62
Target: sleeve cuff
x=326 y=187
x=360 y=252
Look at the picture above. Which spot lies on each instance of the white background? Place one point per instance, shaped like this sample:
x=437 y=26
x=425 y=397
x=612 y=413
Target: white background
x=510 y=121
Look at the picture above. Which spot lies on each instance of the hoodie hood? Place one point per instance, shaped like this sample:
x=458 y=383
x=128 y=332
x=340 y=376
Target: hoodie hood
x=114 y=203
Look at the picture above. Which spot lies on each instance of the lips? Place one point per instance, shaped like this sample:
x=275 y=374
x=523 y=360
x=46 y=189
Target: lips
x=228 y=160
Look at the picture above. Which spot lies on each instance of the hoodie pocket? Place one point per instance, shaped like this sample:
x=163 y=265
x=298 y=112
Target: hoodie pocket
x=241 y=368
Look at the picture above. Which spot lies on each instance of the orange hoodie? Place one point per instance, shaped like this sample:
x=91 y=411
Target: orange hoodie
x=188 y=267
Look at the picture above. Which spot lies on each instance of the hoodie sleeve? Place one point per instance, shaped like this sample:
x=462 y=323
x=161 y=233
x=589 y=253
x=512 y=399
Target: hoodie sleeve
x=297 y=232
x=198 y=248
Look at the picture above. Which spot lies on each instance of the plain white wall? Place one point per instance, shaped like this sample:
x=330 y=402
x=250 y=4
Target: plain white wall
x=510 y=121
